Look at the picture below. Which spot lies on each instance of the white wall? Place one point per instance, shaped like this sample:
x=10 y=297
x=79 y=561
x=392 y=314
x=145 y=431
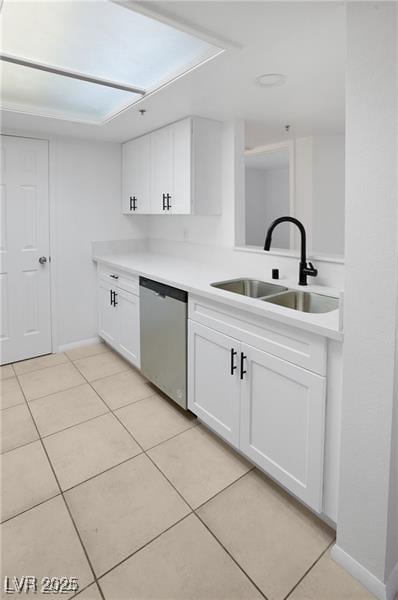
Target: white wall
x=267 y=198
x=85 y=196
x=303 y=188
x=319 y=198
x=366 y=519
x=328 y=195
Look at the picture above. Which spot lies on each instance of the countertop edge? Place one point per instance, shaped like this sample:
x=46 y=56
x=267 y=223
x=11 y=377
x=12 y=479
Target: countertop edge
x=218 y=296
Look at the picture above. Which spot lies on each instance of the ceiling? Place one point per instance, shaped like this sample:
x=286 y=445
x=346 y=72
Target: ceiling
x=305 y=41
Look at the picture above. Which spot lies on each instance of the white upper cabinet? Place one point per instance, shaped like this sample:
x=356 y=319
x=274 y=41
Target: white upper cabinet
x=174 y=170
x=136 y=176
x=161 y=169
x=181 y=200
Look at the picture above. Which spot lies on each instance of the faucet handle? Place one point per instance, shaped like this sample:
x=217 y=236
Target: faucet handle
x=312 y=271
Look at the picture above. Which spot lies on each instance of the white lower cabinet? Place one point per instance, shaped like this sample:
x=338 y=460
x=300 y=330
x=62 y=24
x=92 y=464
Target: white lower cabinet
x=282 y=416
x=128 y=342
x=119 y=317
x=269 y=408
x=213 y=380
x=107 y=315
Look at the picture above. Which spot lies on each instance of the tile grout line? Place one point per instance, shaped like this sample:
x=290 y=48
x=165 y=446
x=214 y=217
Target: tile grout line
x=172 y=437
x=193 y=511
x=126 y=368
x=58 y=392
x=52 y=393
x=108 y=349
x=156 y=466
x=47 y=435
x=223 y=490
x=68 y=388
x=64 y=362
x=30 y=508
x=148 y=543
x=72 y=487
x=230 y=555
x=63 y=497
x=21 y=446
x=308 y=570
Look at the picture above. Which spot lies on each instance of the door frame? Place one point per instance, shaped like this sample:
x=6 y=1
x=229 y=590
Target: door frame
x=51 y=225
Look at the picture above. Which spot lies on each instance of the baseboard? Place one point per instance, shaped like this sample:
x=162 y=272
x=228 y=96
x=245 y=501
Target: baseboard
x=392 y=584
x=72 y=345
x=365 y=577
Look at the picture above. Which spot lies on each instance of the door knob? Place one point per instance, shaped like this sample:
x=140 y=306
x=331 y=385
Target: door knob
x=43 y=260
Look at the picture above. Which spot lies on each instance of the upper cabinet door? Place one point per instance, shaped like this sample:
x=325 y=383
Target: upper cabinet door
x=282 y=423
x=136 y=176
x=161 y=170
x=213 y=380
x=182 y=168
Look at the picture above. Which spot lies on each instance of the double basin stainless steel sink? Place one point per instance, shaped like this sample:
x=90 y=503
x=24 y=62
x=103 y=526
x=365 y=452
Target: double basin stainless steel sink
x=282 y=296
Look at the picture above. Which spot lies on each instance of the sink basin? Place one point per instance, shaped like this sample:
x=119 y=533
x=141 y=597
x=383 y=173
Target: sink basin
x=305 y=301
x=249 y=287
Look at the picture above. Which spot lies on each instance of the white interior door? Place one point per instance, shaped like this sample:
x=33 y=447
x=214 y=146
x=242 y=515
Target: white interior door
x=24 y=249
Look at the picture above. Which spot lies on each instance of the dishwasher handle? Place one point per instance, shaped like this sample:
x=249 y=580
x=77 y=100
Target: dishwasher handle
x=163 y=291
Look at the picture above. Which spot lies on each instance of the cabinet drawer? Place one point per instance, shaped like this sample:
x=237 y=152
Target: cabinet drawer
x=299 y=347
x=129 y=283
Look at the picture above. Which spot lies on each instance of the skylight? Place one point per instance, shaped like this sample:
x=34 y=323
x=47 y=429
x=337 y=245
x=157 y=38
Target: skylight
x=88 y=60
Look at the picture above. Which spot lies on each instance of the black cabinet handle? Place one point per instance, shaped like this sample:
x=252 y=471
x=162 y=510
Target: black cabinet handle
x=114 y=276
x=243 y=357
x=168 y=198
x=111 y=294
x=114 y=298
x=131 y=203
x=164 y=201
x=233 y=365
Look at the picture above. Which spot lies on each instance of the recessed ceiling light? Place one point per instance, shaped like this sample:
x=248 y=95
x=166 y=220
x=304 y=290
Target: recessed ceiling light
x=270 y=80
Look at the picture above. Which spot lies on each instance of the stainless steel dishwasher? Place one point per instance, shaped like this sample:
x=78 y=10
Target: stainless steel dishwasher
x=163 y=323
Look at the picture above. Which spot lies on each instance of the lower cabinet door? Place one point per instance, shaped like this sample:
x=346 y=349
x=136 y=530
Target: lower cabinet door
x=282 y=423
x=213 y=380
x=107 y=313
x=128 y=309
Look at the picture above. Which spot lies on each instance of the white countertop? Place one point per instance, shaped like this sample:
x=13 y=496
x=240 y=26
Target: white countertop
x=195 y=278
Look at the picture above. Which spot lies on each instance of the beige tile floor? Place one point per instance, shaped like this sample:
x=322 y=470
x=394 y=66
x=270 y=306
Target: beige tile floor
x=105 y=480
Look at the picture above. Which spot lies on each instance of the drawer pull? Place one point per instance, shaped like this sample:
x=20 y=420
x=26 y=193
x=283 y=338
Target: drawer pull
x=243 y=357
x=233 y=365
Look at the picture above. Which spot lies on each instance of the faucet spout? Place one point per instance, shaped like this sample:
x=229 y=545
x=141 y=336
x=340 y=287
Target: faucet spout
x=304 y=269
